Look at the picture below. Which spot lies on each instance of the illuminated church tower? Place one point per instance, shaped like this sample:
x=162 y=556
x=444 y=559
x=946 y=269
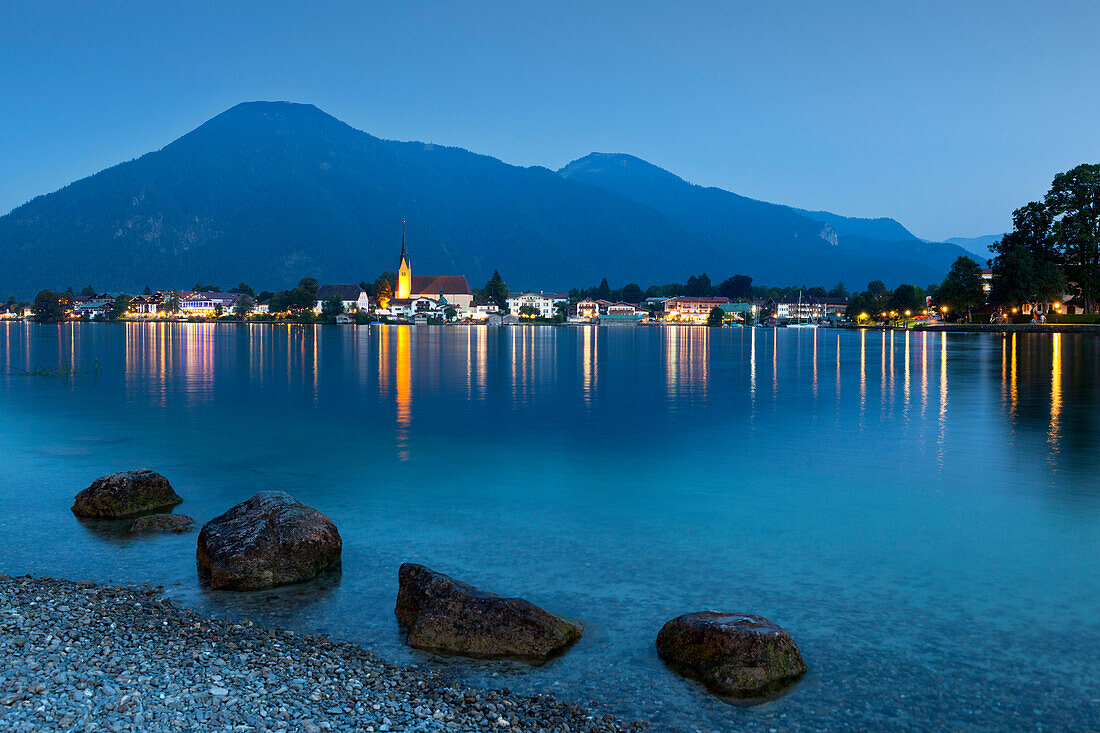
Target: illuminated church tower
x=404 y=270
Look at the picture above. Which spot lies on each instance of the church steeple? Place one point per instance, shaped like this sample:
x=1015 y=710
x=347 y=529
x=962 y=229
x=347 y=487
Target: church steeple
x=404 y=268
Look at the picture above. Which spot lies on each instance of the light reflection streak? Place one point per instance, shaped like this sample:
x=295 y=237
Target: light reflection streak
x=1055 y=433
x=942 y=434
x=403 y=391
x=906 y=386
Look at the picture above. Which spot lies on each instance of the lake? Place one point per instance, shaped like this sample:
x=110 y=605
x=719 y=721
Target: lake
x=920 y=511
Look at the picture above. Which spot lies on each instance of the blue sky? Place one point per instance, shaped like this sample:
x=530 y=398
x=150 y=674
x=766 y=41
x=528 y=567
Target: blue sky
x=944 y=115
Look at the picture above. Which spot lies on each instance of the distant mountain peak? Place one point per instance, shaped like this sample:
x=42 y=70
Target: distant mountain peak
x=271 y=191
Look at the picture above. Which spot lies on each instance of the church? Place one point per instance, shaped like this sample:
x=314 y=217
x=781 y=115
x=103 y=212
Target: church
x=444 y=289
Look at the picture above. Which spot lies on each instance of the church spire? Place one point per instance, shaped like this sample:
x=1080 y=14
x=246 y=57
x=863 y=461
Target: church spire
x=404 y=268
x=404 y=246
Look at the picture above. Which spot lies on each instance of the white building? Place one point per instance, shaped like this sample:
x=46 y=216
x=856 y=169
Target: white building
x=546 y=304
x=353 y=297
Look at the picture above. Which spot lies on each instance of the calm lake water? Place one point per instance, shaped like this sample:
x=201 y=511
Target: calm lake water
x=920 y=511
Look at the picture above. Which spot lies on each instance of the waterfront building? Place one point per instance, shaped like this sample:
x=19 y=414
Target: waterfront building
x=545 y=303
x=481 y=310
x=734 y=312
x=622 y=319
x=692 y=309
x=206 y=303
x=143 y=305
x=352 y=297
x=809 y=308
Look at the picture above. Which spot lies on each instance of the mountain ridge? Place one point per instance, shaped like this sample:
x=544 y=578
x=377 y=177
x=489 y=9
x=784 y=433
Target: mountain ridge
x=269 y=192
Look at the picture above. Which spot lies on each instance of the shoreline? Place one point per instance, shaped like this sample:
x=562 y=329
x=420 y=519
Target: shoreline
x=82 y=656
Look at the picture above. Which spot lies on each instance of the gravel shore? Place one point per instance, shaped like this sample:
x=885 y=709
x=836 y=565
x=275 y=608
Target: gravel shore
x=79 y=656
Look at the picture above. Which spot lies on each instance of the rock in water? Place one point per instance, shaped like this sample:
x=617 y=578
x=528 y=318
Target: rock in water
x=272 y=539
x=161 y=523
x=734 y=654
x=125 y=494
x=442 y=614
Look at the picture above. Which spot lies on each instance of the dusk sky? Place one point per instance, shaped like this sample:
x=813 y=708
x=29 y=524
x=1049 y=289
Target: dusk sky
x=944 y=115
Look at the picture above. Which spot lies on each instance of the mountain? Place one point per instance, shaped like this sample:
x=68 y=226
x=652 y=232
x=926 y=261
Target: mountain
x=269 y=192
x=773 y=243
x=977 y=247
x=883 y=228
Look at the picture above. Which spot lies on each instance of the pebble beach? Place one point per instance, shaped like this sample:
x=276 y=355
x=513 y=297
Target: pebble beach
x=82 y=657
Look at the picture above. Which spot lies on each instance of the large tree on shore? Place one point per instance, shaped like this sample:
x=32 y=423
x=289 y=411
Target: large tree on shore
x=47 y=307
x=496 y=290
x=1058 y=235
x=1073 y=204
x=962 y=289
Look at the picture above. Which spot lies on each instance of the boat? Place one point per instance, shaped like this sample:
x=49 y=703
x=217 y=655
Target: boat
x=798 y=323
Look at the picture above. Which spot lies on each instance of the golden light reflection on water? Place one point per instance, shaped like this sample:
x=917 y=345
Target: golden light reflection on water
x=862 y=374
x=403 y=389
x=905 y=383
x=589 y=363
x=687 y=361
x=1055 y=431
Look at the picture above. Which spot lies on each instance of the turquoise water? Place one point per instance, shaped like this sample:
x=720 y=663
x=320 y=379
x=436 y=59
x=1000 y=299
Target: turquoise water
x=920 y=511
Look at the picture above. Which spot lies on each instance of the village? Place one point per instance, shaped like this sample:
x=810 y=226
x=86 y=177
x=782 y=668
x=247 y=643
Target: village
x=424 y=300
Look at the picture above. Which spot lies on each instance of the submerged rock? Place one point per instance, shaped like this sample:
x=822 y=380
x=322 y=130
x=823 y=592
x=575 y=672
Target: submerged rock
x=161 y=523
x=125 y=494
x=734 y=654
x=445 y=615
x=272 y=539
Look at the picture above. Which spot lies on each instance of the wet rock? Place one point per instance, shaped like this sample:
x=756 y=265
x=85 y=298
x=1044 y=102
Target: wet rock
x=445 y=615
x=270 y=540
x=734 y=654
x=161 y=523
x=125 y=494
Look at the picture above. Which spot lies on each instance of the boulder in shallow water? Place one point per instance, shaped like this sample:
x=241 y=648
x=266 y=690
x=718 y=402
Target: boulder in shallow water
x=270 y=540
x=125 y=494
x=442 y=614
x=161 y=523
x=734 y=654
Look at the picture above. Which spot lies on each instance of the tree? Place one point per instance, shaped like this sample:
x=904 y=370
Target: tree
x=450 y=312
x=907 y=298
x=698 y=286
x=309 y=285
x=244 y=305
x=243 y=289
x=171 y=304
x=88 y=291
x=715 y=317
x=632 y=293
x=200 y=288
x=1021 y=277
x=528 y=311
x=119 y=307
x=840 y=290
x=738 y=287
x=47 y=307
x=876 y=287
x=147 y=291
x=496 y=290
x=332 y=307
x=603 y=292
x=383 y=289
x=1073 y=205
x=962 y=289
